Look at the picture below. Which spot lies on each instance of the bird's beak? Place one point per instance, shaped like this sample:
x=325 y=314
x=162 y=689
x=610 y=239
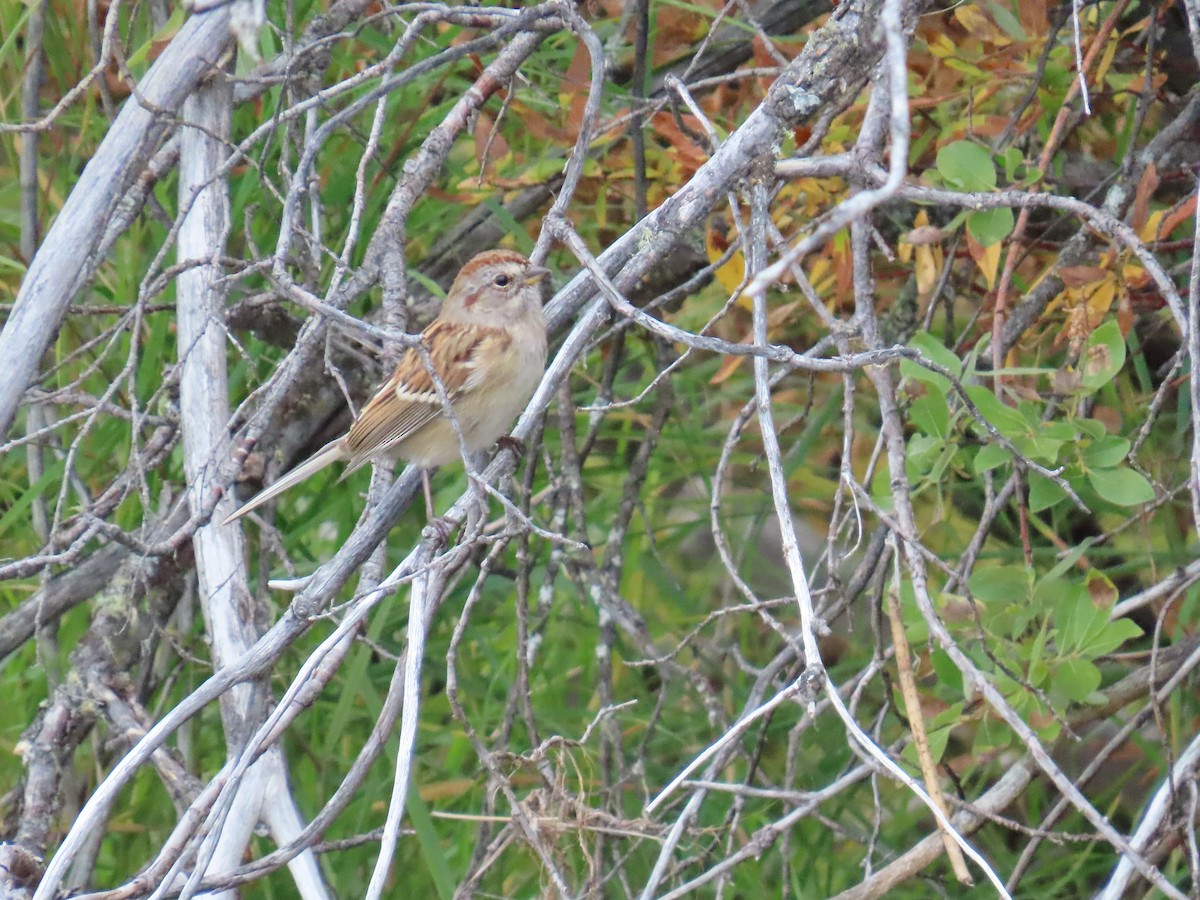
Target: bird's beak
x=534 y=274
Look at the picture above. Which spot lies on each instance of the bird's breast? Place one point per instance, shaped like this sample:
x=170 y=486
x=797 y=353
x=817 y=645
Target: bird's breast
x=507 y=381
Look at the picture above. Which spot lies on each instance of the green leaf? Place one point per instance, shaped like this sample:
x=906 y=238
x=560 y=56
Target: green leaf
x=1003 y=16
x=1038 y=673
x=881 y=488
x=1037 y=655
x=1005 y=419
x=1050 y=731
x=938 y=738
x=1060 y=431
x=431 y=847
x=989 y=457
x=1045 y=449
x=1043 y=493
x=931 y=413
x=1107 y=452
x=1071 y=557
x=1074 y=616
x=1058 y=591
x=13 y=265
x=948 y=675
x=966 y=166
x=942 y=463
x=1111 y=637
x=935 y=351
x=923 y=450
x=141 y=56
x=992 y=736
x=1033 y=413
x=16 y=514
x=990 y=226
x=915 y=626
x=1024 y=613
x=932 y=349
x=1076 y=679
x=1000 y=584
x=1104 y=356
x=1012 y=159
x=1124 y=487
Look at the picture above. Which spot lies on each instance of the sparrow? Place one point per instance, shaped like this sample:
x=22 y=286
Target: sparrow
x=488 y=347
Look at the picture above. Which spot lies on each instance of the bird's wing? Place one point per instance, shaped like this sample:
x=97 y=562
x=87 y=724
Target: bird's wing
x=409 y=400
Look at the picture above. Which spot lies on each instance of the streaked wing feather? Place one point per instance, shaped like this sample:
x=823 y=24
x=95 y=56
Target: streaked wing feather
x=395 y=413
x=386 y=421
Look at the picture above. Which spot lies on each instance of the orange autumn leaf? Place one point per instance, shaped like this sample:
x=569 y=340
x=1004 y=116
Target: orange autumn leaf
x=1141 y=199
x=764 y=56
x=489 y=143
x=838 y=249
x=730 y=365
x=1078 y=276
x=676 y=28
x=538 y=125
x=1034 y=19
x=690 y=154
x=1173 y=220
x=1124 y=312
x=573 y=92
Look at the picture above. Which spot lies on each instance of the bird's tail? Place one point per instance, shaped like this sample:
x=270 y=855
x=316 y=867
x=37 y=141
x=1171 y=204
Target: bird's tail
x=331 y=452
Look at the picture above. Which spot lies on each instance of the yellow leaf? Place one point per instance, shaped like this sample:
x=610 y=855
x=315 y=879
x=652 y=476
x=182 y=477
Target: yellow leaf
x=1134 y=275
x=927 y=269
x=1110 y=51
x=941 y=46
x=979 y=24
x=1063 y=297
x=1149 y=231
x=1099 y=300
x=987 y=258
x=821 y=274
x=966 y=68
x=730 y=274
x=904 y=249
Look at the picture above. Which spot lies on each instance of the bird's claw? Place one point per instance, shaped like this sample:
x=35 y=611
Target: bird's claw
x=515 y=444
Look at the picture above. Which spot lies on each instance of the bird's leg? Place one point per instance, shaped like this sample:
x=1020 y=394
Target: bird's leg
x=428 y=495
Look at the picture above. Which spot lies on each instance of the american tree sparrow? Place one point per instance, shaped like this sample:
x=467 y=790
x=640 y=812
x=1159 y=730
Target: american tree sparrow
x=488 y=346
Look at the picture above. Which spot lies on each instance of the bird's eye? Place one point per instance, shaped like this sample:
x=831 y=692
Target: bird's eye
x=502 y=281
